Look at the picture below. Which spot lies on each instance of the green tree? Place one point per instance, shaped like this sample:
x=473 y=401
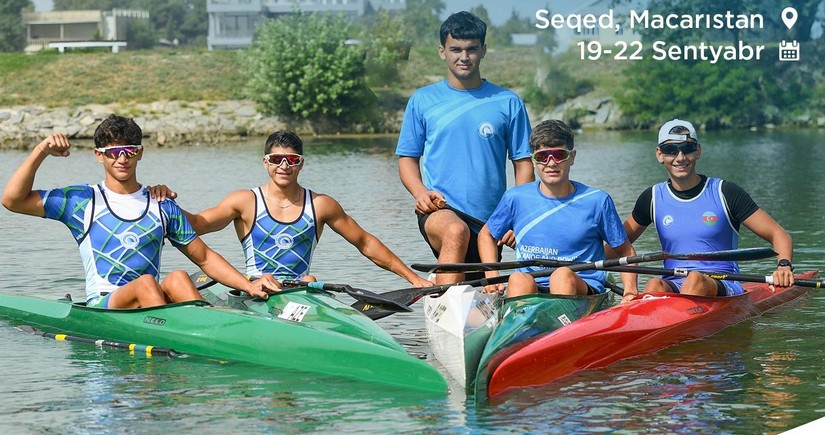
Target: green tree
x=492 y=39
x=11 y=24
x=514 y=24
x=300 y=67
x=729 y=93
x=726 y=94
x=140 y=36
x=421 y=18
x=386 y=45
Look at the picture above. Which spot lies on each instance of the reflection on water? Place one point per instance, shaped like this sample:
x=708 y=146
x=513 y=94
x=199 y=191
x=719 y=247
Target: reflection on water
x=763 y=375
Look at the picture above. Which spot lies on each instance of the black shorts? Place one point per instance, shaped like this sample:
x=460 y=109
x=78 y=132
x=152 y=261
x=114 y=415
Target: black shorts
x=472 y=255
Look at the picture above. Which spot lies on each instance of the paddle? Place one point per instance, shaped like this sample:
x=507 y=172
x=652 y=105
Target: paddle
x=202 y=281
x=150 y=350
x=730 y=255
x=409 y=296
x=679 y=272
x=362 y=296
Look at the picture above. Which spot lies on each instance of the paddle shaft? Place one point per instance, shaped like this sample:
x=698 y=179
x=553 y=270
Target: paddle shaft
x=149 y=350
x=409 y=296
x=729 y=255
x=767 y=279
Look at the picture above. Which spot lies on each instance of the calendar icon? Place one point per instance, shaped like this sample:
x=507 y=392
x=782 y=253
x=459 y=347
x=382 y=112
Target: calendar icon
x=788 y=52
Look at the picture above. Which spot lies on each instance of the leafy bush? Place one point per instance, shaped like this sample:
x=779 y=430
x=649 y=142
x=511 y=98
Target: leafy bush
x=385 y=46
x=726 y=94
x=300 y=67
x=139 y=35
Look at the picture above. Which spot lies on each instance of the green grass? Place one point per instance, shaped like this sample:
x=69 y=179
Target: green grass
x=75 y=78
x=85 y=77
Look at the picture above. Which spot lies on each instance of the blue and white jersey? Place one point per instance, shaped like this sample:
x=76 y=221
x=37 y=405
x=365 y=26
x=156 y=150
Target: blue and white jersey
x=463 y=138
x=283 y=249
x=120 y=237
x=699 y=224
x=573 y=228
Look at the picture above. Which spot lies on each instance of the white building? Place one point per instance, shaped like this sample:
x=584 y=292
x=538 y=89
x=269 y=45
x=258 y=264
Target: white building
x=232 y=22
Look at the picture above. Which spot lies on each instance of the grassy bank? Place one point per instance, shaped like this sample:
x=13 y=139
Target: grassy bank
x=77 y=78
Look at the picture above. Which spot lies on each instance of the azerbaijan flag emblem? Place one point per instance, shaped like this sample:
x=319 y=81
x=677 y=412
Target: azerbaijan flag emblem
x=710 y=218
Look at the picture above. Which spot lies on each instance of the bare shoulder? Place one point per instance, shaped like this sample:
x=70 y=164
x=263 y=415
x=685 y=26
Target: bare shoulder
x=325 y=205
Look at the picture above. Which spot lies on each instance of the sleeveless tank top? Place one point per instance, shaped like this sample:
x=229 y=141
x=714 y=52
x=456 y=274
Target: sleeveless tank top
x=283 y=249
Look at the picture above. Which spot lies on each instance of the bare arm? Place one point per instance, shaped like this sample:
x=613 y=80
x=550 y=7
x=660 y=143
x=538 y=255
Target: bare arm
x=629 y=280
x=217 y=268
x=523 y=170
x=488 y=253
x=409 y=170
x=763 y=225
x=218 y=217
x=331 y=213
x=633 y=229
x=18 y=195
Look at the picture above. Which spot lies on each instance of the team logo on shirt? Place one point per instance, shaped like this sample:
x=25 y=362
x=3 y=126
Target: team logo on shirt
x=129 y=240
x=284 y=241
x=486 y=130
x=710 y=218
x=667 y=220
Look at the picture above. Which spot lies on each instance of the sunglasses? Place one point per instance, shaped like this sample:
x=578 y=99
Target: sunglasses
x=557 y=154
x=276 y=159
x=673 y=149
x=114 y=152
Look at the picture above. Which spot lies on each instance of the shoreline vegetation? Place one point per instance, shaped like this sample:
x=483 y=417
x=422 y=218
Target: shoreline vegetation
x=194 y=97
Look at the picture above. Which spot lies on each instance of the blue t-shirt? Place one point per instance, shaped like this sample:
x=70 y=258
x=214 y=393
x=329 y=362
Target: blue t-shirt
x=464 y=138
x=573 y=228
x=120 y=237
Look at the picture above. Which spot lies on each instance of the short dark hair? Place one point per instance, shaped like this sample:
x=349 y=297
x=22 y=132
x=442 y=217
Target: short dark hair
x=551 y=133
x=117 y=130
x=284 y=139
x=463 y=25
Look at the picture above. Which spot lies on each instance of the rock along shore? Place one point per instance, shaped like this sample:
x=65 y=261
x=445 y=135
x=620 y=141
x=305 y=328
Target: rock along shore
x=163 y=123
x=174 y=123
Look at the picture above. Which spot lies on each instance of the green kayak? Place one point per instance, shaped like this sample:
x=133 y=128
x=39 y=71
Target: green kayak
x=301 y=329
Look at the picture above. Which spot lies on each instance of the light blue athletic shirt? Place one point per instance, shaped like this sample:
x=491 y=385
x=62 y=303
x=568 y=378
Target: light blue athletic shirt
x=120 y=237
x=463 y=139
x=573 y=228
x=283 y=249
x=700 y=224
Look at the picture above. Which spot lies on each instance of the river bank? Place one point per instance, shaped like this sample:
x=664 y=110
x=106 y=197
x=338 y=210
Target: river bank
x=164 y=123
x=175 y=123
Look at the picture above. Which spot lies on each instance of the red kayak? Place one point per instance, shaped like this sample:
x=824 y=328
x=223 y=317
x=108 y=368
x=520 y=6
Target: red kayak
x=646 y=325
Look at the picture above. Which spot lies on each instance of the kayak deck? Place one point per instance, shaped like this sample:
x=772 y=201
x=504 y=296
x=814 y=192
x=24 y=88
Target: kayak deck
x=646 y=325
x=302 y=329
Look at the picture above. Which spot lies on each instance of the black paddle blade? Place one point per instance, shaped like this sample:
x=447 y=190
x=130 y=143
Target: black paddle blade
x=201 y=280
x=376 y=300
x=365 y=297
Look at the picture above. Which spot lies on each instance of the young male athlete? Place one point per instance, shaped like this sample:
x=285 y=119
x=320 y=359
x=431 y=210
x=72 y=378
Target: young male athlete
x=697 y=213
x=280 y=222
x=454 y=143
x=118 y=227
x=559 y=219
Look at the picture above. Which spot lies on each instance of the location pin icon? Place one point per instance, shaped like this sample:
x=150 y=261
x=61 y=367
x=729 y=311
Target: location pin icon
x=789 y=16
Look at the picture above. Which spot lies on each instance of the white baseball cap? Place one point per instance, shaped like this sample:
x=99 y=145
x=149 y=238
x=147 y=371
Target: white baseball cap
x=666 y=135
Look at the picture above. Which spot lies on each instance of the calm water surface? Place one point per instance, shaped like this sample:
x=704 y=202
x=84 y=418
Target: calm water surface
x=761 y=376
